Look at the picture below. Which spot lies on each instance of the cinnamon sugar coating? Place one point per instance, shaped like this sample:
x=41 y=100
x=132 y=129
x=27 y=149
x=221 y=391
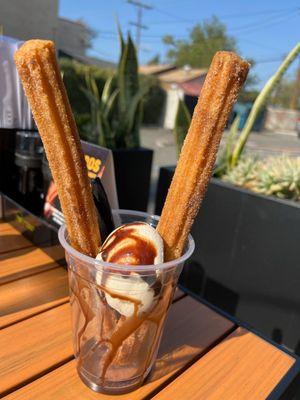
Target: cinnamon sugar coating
x=224 y=79
x=39 y=72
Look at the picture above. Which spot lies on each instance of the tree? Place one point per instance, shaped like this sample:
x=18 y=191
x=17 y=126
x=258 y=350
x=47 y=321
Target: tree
x=204 y=40
x=198 y=50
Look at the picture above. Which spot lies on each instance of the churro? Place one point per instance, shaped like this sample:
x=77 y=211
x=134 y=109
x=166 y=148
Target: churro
x=44 y=88
x=224 y=79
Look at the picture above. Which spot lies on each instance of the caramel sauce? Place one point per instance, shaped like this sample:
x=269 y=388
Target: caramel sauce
x=128 y=326
x=140 y=252
x=131 y=324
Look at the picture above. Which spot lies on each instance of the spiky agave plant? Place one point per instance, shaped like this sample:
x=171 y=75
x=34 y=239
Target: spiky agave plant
x=182 y=123
x=116 y=115
x=130 y=108
x=102 y=109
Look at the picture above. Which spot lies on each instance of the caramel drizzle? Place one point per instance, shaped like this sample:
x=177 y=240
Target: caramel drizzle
x=128 y=327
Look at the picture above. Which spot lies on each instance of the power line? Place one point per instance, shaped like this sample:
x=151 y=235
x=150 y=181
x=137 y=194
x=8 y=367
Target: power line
x=264 y=24
x=264 y=20
x=269 y=60
x=241 y=29
x=138 y=24
x=180 y=19
x=261 y=45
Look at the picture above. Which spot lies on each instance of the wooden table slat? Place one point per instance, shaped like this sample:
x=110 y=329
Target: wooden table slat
x=202 y=355
x=31 y=347
x=242 y=367
x=11 y=239
x=190 y=329
x=28 y=296
x=28 y=261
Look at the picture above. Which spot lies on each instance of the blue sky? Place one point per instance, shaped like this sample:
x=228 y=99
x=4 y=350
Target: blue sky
x=265 y=29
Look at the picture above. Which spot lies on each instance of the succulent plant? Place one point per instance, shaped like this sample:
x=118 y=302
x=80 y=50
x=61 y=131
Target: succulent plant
x=182 y=123
x=280 y=177
x=274 y=176
x=116 y=115
x=244 y=174
x=102 y=108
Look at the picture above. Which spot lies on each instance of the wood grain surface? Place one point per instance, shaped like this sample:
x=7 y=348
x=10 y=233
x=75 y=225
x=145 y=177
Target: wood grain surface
x=11 y=238
x=27 y=261
x=31 y=347
x=191 y=328
x=242 y=367
x=28 y=296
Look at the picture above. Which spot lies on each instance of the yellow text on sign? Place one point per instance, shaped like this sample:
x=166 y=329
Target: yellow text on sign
x=93 y=164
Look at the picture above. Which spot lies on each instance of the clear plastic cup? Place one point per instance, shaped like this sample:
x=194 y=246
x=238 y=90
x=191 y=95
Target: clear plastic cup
x=118 y=312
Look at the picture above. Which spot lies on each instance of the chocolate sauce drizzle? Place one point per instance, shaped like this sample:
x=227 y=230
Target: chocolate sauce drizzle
x=139 y=251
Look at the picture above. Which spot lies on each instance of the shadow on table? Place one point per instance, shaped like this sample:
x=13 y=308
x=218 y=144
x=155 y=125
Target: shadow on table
x=55 y=252
x=186 y=341
x=194 y=279
x=6 y=241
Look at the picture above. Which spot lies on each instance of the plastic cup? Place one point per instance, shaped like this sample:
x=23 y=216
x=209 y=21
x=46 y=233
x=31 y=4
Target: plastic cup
x=118 y=312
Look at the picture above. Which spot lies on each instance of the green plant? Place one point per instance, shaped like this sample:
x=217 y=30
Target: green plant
x=130 y=97
x=274 y=176
x=244 y=174
x=233 y=148
x=280 y=177
x=116 y=114
x=259 y=102
x=224 y=159
x=102 y=109
x=153 y=101
x=74 y=74
x=182 y=123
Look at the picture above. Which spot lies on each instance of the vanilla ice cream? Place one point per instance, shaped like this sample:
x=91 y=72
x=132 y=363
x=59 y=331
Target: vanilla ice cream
x=137 y=243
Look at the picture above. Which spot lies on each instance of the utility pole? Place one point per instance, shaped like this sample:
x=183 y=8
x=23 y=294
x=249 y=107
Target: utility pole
x=139 y=26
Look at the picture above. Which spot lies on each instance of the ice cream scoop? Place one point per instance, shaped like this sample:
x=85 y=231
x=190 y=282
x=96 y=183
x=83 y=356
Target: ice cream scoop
x=135 y=243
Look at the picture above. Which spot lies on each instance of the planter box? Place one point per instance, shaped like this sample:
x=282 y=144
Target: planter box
x=247 y=258
x=133 y=173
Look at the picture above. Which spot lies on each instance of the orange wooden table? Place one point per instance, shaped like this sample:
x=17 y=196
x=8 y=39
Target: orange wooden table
x=203 y=355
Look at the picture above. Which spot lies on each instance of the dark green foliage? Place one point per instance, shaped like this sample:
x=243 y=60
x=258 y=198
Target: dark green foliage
x=130 y=95
x=109 y=107
x=182 y=123
x=153 y=101
x=74 y=76
x=116 y=114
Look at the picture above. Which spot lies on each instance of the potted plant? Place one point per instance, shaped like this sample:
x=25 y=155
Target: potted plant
x=248 y=231
x=116 y=116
